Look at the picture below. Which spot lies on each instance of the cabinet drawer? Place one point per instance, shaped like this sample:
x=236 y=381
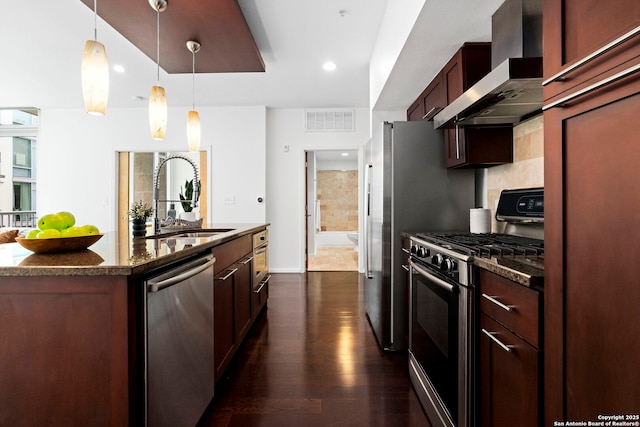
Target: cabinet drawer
x=509 y=378
x=515 y=306
x=228 y=253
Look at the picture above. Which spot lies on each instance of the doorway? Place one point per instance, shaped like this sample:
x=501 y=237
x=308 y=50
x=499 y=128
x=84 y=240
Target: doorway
x=332 y=210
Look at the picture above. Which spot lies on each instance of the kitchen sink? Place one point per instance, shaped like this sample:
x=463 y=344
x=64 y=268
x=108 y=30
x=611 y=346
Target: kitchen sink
x=200 y=232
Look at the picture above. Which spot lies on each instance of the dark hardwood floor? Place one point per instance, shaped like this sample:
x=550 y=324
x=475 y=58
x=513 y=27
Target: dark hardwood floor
x=312 y=360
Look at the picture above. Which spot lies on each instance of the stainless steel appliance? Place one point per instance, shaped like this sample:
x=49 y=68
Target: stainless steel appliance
x=260 y=255
x=260 y=267
x=407 y=188
x=443 y=302
x=512 y=91
x=179 y=381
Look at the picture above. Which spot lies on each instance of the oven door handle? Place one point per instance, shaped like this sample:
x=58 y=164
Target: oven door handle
x=441 y=283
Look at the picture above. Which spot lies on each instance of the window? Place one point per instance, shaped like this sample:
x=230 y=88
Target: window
x=18 y=143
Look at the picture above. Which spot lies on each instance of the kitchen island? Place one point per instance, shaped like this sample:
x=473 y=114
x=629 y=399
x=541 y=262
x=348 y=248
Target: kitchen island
x=72 y=341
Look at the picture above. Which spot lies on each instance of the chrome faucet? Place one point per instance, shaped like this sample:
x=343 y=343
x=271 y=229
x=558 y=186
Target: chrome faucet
x=156 y=187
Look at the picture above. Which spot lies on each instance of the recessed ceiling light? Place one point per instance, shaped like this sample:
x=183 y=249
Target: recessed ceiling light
x=329 y=66
x=345 y=154
x=118 y=68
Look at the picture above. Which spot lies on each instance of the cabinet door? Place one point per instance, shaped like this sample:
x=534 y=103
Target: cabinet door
x=509 y=390
x=592 y=201
x=416 y=111
x=573 y=30
x=478 y=146
x=260 y=294
x=223 y=326
x=242 y=293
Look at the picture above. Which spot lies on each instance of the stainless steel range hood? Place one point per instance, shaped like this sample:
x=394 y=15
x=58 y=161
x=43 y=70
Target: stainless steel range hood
x=512 y=91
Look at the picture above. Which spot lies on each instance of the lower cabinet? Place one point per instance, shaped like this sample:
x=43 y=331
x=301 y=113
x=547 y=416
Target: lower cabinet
x=223 y=322
x=510 y=356
x=236 y=301
x=259 y=296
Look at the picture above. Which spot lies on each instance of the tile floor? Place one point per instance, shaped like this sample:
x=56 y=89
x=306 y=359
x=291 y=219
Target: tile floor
x=334 y=259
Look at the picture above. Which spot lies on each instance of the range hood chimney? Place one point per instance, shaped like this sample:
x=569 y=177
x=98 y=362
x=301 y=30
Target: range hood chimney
x=512 y=91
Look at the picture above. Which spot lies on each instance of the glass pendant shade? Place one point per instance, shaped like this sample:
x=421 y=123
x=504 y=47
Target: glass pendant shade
x=158 y=112
x=95 y=77
x=193 y=131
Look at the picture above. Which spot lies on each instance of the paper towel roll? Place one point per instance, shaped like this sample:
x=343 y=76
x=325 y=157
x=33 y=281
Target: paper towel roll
x=480 y=221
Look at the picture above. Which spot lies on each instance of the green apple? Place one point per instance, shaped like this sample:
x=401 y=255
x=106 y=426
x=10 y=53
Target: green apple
x=72 y=232
x=67 y=218
x=33 y=233
x=51 y=221
x=89 y=230
x=49 y=233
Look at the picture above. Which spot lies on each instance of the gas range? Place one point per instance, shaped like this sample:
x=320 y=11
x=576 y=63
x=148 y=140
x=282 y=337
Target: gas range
x=487 y=245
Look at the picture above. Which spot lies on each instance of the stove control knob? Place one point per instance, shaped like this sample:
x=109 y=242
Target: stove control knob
x=437 y=260
x=414 y=249
x=449 y=265
x=423 y=252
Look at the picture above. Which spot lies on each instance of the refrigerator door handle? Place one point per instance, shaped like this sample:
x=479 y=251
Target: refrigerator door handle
x=366 y=223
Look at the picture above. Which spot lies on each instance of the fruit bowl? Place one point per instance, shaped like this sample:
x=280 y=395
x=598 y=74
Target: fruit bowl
x=58 y=244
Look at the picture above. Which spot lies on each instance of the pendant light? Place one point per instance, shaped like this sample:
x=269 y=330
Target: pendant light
x=95 y=72
x=193 y=118
x=158 y=97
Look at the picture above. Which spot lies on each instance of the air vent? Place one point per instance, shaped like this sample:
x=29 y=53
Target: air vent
x=330 y=121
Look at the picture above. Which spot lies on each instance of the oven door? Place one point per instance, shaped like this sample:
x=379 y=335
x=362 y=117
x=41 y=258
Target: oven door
x=260 y=263
x=439 y=345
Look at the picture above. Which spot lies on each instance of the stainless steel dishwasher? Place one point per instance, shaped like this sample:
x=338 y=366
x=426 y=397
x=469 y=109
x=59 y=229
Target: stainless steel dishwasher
x=179 y=374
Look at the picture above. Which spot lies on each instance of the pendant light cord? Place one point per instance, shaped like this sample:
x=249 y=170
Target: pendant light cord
x=158 y=44
x=193 y=81
x=95 y=20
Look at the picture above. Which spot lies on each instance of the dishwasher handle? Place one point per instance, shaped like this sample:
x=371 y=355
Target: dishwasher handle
x=158 y=285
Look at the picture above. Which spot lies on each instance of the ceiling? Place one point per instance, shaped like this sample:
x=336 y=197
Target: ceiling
x=43 y=44
x=226 y=42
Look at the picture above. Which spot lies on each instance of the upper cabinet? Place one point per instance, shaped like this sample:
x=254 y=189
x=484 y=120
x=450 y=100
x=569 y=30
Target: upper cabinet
x=582 y=39
x=430 y=102
x=464 y=147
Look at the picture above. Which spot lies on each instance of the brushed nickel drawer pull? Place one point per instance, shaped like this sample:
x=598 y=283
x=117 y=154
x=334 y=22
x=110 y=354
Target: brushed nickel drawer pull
x=231 y=273
x=498 y=303
x=406 y=267
x=496 y=340
x=601 y=83
x=604 y=49
x=405 y=250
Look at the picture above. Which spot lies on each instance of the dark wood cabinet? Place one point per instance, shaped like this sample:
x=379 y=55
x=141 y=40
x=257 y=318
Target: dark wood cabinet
x=510 y=356
x=478 y=146
x=584 y=42
x=430 y=102
x=468 y=146
x=223 y=323
x=243 y=289
x=592 y=321
x=64 y=351
x=232 y=299
x=259 y=296
x=469 y=64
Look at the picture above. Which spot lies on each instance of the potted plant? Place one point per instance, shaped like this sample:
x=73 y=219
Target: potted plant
x=139 y=213
x=186 y=196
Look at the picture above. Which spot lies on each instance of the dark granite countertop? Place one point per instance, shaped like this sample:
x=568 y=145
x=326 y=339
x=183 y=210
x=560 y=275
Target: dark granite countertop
x=525 y=271
x=113 y=256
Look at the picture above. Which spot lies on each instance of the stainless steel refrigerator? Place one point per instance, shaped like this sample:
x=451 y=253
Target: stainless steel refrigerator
x=407 y=188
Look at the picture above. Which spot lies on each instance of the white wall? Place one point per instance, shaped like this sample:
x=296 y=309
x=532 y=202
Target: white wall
x=397 y=24
x=286 y=174
x=77 y=159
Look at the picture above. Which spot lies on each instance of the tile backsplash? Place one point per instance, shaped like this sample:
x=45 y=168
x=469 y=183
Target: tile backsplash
x=527 y=169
